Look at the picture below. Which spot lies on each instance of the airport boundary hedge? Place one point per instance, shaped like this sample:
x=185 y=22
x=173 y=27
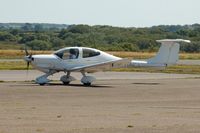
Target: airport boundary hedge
x=41 y=37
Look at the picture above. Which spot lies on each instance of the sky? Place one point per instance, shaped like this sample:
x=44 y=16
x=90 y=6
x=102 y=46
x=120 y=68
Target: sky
x=122 y=13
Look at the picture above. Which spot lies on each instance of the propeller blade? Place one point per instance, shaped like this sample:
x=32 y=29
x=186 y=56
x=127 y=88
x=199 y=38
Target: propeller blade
x=28 y=63
x=27 y=69
x=30 y=56
x=26 y=51
x=28 y=59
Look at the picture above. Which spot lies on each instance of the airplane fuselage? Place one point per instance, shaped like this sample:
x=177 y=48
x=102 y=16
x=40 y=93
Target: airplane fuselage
x=61 y=61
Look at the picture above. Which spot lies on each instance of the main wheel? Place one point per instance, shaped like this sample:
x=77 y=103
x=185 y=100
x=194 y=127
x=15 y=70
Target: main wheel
x=42 y=84
x=87 y=84
x=66 y=83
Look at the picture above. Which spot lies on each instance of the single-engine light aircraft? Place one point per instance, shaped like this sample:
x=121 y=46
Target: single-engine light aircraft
x=82 y=59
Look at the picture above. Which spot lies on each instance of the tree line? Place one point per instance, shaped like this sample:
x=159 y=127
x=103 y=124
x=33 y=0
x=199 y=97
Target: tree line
x=37 y=37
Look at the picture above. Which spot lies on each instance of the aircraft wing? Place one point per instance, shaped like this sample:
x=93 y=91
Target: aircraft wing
x=95 y=67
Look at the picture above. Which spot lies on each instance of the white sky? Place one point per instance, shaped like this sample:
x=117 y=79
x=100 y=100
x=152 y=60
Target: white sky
x=124 y=13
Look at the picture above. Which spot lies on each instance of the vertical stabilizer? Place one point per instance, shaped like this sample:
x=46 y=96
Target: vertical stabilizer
x=168 y=53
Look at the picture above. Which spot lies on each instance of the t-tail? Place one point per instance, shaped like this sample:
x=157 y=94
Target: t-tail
x=167 y=55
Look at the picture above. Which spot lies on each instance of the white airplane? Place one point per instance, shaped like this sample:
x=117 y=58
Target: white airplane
x=82 y=59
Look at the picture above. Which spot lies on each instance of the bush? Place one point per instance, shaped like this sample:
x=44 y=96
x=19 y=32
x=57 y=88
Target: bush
x=38 y=45
x=5 y=36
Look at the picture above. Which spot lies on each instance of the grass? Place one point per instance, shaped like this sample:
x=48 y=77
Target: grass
x=179 y=69
x=146 y=55
x=13 y=65
x=190 y=56
x=10 y=45
x=17 y=54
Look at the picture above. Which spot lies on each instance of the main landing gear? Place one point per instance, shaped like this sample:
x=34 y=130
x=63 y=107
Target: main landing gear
x=66 y=79
x=87 y=80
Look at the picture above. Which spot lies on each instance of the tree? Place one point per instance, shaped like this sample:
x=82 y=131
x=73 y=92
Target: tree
x=39 y=36
x=192 y=47
x=81 y=29
x=57 y=43
x=38 y=45
x=15 y=32
x=28 y=27
x=43 y=37
x=27 y=38
x=38 y=27
x=5 y=36
x=129 y=47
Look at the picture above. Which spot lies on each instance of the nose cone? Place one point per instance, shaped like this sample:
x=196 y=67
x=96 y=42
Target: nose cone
x=40 y=60
x=28 y=58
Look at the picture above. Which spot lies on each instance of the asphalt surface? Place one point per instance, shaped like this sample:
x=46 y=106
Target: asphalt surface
x=23 y=75
x=116 y=103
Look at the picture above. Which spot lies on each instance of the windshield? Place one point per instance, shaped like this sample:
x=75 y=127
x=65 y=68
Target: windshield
x=68 y=54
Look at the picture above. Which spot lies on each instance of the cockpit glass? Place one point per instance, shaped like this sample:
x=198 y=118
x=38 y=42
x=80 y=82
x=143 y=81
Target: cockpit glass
x=90 y=53
x=68 y=54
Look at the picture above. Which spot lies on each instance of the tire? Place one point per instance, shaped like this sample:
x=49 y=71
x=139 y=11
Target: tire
x=87 y=84
x=66 y=83
x=42 y=84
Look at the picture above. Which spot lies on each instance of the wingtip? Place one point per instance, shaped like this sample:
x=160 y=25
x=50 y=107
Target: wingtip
x=173 y=40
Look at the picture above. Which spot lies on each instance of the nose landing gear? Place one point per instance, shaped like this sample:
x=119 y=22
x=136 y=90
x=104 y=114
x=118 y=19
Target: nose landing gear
x=42 y=80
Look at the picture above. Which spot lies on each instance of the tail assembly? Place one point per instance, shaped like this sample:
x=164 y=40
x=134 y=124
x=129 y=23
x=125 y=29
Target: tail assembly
x=166 y=56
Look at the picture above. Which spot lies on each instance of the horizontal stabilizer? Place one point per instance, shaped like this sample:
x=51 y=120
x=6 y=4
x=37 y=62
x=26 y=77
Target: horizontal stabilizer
x=173 y=41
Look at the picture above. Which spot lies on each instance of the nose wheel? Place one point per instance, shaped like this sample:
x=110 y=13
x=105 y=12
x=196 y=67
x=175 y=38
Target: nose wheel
x=42 y=80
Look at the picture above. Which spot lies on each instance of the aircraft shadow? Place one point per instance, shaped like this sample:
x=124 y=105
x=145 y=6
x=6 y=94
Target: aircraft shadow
x=60 y=84
x=79 y=85
x=140 y=83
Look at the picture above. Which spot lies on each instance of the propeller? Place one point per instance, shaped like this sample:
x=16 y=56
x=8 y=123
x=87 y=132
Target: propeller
x=26 y=51
x=28 y=57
